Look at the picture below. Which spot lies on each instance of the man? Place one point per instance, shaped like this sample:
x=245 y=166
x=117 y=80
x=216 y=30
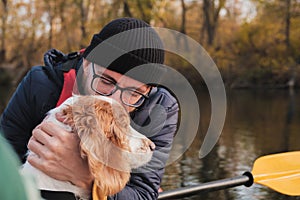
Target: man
x=45 y=87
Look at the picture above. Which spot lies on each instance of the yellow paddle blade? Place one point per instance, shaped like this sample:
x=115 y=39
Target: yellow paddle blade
x=281 y=172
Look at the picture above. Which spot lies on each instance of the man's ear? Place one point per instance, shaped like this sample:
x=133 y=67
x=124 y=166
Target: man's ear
x=85 y=64
x=149 y=89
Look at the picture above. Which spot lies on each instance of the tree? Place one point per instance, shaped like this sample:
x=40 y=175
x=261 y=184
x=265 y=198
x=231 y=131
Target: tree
x=145 y=9
x=183 y=17
x=83 y=6
x=211 y=10
x=126 y=9
x=3 y=29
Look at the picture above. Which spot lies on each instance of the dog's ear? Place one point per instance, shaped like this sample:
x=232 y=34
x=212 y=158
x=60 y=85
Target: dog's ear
x=108 y=168
x=105 y=146
x=119 y=126
x=103 y=130
x=103 y=140
x=86 y=125
x=111 y=182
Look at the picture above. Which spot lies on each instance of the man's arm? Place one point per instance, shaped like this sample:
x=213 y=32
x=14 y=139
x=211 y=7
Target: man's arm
x=35 y=95
x=16 y=121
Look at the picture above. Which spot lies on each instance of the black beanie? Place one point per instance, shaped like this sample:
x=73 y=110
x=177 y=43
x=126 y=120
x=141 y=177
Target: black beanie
x=134 y=58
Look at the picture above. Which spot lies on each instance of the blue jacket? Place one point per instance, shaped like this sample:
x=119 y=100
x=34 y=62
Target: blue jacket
x=39 y=92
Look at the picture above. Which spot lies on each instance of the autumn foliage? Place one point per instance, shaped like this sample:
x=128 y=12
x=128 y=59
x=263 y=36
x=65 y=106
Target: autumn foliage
x=254 y=43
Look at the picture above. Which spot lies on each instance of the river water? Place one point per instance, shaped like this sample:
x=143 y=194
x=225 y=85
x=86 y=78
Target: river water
x=258 y=122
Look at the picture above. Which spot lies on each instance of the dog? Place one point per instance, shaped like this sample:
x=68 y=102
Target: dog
x=112 y=147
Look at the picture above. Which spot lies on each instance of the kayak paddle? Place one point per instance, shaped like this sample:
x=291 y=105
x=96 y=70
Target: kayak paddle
x=280 y=172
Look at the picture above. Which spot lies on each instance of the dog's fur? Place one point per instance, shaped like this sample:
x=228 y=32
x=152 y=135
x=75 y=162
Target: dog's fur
x=111 y=146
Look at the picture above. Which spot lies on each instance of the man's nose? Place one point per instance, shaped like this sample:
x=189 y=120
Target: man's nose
x=117 y=96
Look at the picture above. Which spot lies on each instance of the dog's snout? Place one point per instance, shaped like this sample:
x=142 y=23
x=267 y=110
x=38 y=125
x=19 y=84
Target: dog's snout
x=149 y=145
x=139 y=143
x=152 y=146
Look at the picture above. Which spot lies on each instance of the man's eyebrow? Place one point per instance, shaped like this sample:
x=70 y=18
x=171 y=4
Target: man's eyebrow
x=139 y=89
x=102 y=73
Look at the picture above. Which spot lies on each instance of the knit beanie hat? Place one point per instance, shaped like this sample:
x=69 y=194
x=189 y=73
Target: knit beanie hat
x=145 y=42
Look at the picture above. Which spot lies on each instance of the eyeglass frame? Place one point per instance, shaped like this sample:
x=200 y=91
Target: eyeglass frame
x=116 y=87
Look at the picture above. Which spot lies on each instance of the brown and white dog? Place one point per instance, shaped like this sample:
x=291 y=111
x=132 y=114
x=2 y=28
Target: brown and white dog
x=111 y=146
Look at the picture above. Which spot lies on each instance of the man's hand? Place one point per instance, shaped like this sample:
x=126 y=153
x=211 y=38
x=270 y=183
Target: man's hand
x=57 y=154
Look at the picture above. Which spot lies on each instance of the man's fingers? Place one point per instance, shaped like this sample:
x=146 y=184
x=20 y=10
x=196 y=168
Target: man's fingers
x=53 y=130
x=63 y=119
x=60 y=117
x=41 y=136
x=34 y=160
x=39 y=162
x=54 y=138
x=36 y=147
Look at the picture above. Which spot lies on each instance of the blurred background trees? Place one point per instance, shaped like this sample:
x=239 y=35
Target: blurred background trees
x=253 y=42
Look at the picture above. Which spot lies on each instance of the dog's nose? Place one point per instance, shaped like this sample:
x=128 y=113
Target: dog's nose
x=148 y=144
x=152 y=146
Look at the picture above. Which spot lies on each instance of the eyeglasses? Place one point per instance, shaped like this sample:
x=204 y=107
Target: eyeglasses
x=106 y=87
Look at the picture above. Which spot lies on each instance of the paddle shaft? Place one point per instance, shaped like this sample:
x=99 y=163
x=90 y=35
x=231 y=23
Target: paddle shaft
x=246 y=179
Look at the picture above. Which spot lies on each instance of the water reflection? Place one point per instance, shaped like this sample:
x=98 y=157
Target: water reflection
x=257 y=123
